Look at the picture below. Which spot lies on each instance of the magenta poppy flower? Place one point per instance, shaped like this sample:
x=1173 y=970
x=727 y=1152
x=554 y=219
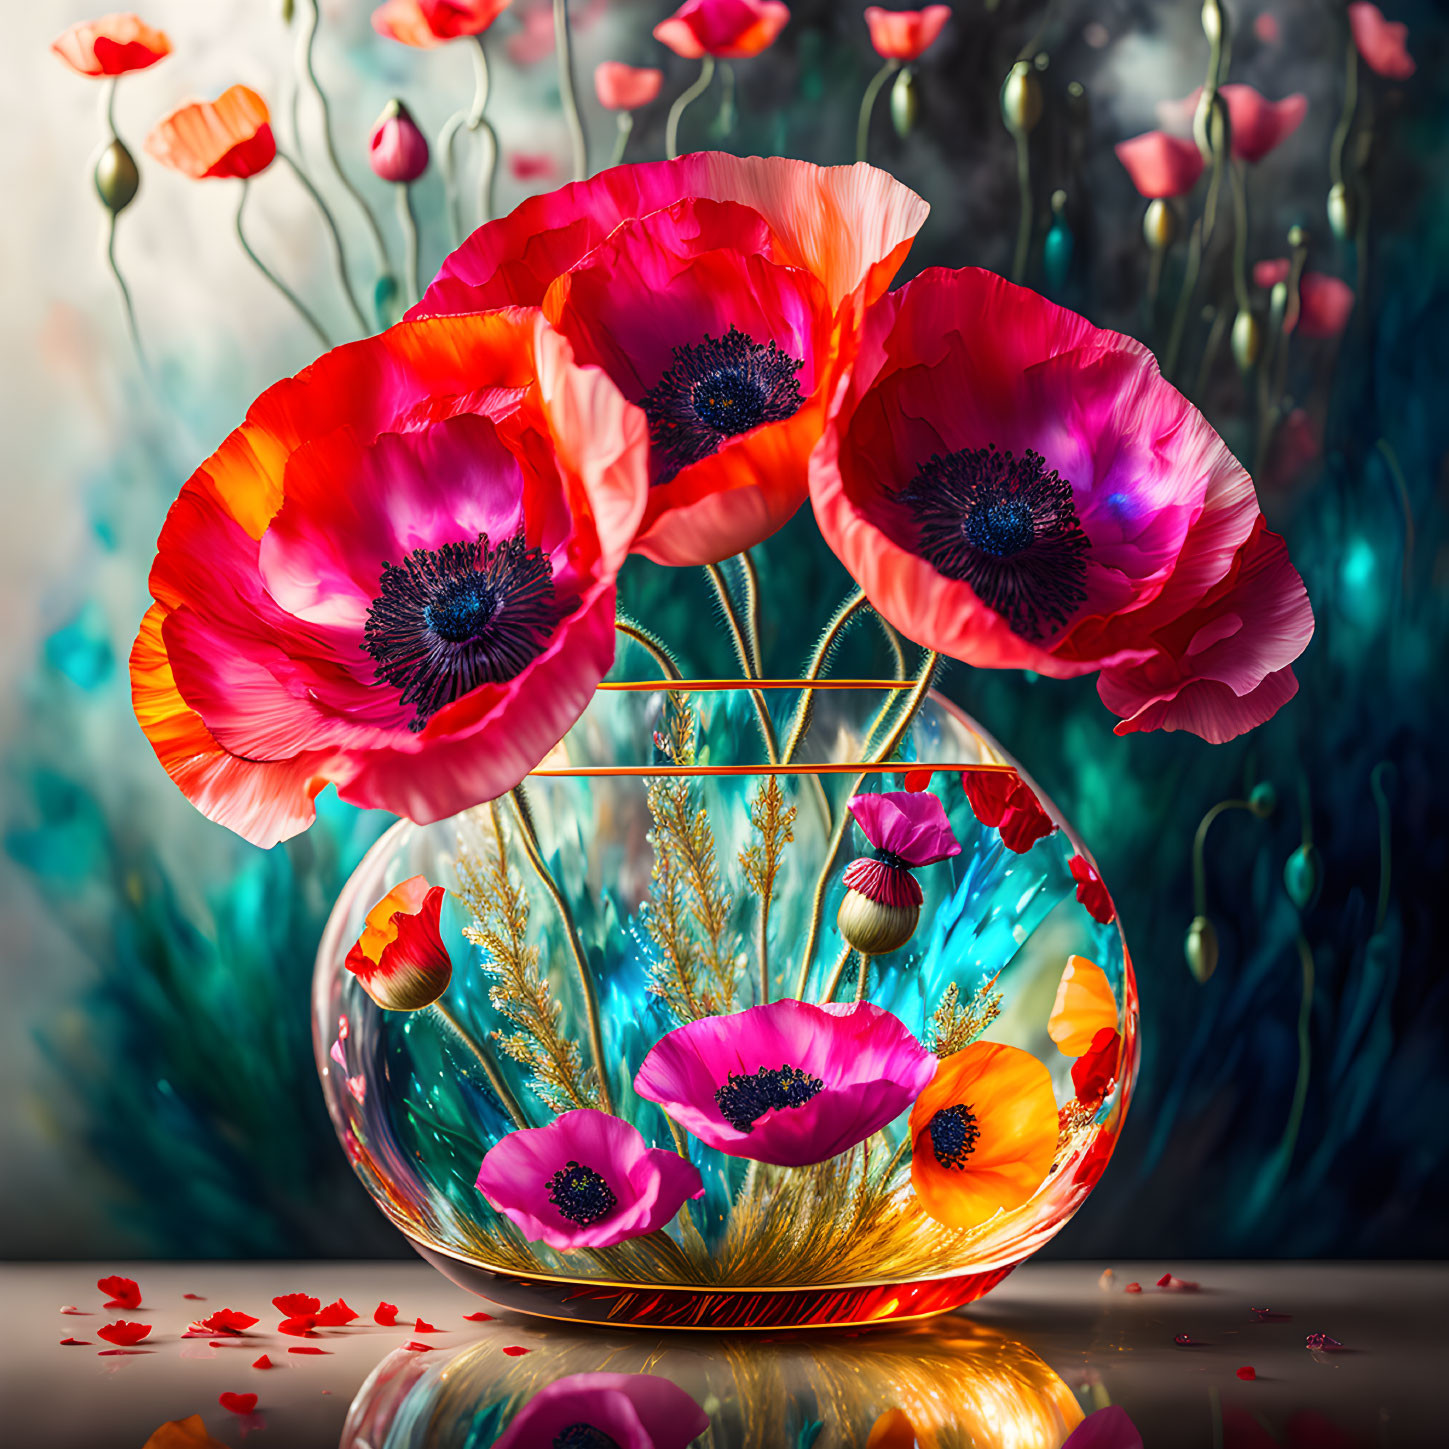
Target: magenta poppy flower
x=905 y=34
x=1383 y=43
x=596 y=1411
x=721 y=295
x=788 y=1083
x=729 y=29
x=1016 y=488
x=398 y=150
x=1257 y=124
x=421 y=636
x=621 y=87
x=1159 y=164
x=1325 y=303
x=587 y=1180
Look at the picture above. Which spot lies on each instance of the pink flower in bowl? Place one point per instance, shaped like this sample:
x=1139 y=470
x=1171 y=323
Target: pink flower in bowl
x=788 y=1083
x=587 y=1180
x=595 y=1411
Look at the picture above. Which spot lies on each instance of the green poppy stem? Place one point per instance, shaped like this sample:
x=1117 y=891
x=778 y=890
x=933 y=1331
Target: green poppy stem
x=578 y=140
x=867 y=107
x=501 y=1089
x=471 y=117
x=686 y=98
x=408 y=220
x=338 y=255
x=626 y=127
x=126 y=303
x=270 y=275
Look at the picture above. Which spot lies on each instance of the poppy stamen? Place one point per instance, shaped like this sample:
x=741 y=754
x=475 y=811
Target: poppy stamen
x=954 y=1131
x=449 y=619
x=743 y=1100
x=581 y=1194
x=1006 y=526
x=716 y=390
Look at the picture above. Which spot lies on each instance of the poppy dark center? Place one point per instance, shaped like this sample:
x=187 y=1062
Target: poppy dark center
x=743 y=1100
x=717 y=389
x=583 y=1436
x=1006 y=526
x=449 y=619
x=954 y=1131
x=582 y=1196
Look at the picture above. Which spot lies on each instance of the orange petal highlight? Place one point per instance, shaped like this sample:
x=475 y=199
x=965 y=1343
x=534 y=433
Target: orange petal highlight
x=1084 y=1006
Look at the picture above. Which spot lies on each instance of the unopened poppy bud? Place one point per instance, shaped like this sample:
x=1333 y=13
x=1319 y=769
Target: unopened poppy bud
x=1247 y=341
x=398 y=150
x=117 y=179
x=1159 y=224
x=1201 y=949
x=1021 y=101
x=1341 y=214
x=905 y=103
x=1302 y=876
x=400 y=958
x=1263 y=799
x=1212 y=20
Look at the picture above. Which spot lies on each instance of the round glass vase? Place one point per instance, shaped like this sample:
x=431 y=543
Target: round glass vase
x=680 y=855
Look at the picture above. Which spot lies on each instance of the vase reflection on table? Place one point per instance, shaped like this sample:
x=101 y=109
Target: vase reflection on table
x=615 y=929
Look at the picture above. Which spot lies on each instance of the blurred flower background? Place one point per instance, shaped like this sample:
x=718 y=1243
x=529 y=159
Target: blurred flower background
x=156 y=969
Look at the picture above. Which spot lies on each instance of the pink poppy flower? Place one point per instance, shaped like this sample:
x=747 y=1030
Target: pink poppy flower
x=630 y=1411
x=789 y=1083
x=427 y=23
x=1257 y=124
x=1325 y=303
x=1016 y=488
x=729 y=29
x=909 y=830
x=750 y=274
x=1382 y=43
x=1267 y=28
x=1003 y=801
x=1090 y=890
x=621 y=87
x=905 y=34
x=1161 y=165
x=587 y=1180
x=398 y=150
x=426 y=635
x=400 y=958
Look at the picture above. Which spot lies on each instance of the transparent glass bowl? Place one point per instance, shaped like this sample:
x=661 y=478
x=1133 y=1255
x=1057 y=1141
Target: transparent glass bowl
x=418 y=1098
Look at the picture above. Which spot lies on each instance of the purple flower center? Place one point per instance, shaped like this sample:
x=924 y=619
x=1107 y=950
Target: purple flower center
x=581 y=1195
x=717 y=389
x=1008 y=528
x=743 y=1100
x=449 y=619
x=583 y=1436
x=954 y=1131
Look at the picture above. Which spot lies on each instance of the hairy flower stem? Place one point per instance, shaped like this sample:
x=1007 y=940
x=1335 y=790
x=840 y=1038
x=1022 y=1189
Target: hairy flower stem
x=668 y=664
x=742 y=655
x=408 y=221
x=576 y=946
x=751 y=576
x=501 y=1089
x=567 y=91
x=823 y=647
x=686 y=98
x=338 y=255
x=867 y=107
x=270 y=275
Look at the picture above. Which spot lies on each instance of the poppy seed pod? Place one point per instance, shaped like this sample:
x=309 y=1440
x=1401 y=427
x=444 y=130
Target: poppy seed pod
x=116 y=177
x=1263 y=799
x=1303 y=876
x=1341 y=211
x=876 y=927
x=1201 y=949
x=905 y=103
x=1159 y=224
x=1021 y=100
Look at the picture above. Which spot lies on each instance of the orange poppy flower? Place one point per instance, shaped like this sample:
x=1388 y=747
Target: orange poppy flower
x=112 y=45
x=1084 y=1006
x=426 y=23
x=983 y=1134
x=230 y=136
x=400 y=958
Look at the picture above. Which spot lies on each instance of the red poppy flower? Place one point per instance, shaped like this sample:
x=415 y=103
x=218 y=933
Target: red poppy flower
x=730 y=29
x=1257 y=124
x=1382 y=43
x=112 y=45
x=1090 y=890
x=905 y=34
x=1159 y=164
x=1016 y=488
x=621 y=87
x=1002 y=800
x=426 y=23
x=721 y=294
x=425 y=636
x=1325 y=303
x=228 y=137
x=400 y=958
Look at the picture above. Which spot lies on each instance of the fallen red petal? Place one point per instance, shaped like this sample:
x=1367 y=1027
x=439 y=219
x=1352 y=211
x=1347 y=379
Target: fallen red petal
x=123 y=1333
x=309 y=1350
x=1186 y=1340
x=228 y=1320
x=385 y=1314
x=421 y=1326
x=1177 y=1285
x=514 y=1351
x=237 y=1403
x=336 y=1315
x=1267 y=1315
x=116 y=1352
x=298 y=1327
x=195 y=1297
x=123 y=1292
x=418 y=1347
x=75 y=1343
x=1322 y=1343
x=1133 y=1288
x=479 y=1317
x=296 y=1305
x=263 y=1362
x=1247 y=1374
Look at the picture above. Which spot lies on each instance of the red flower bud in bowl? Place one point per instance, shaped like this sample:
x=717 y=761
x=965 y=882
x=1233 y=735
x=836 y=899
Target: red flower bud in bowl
x=400 y=958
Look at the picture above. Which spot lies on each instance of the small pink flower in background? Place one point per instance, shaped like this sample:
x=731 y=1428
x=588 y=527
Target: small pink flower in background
x=426 y=23
x=1161 y=165
x=112 y=45
x=230 y=137
x=729 y=29
x=910 y=829
x=632 y=1411
x=587 y=1180
x=621 y=87
x=1003 y=801
x=1257 y=124
x=1325 y=303
x=1383 y=43
x=1108 y=1428
x=1267 y=28
x=398 y=150
x=789 y=1083
x=528 y=166
x=1091 y=892
x=905 y=34
x=400 y=958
